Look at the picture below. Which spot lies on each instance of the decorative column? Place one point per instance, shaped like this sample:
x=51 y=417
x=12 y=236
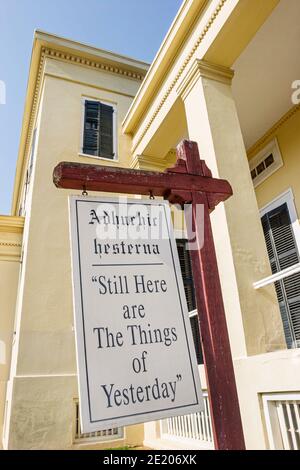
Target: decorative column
x=253 y=318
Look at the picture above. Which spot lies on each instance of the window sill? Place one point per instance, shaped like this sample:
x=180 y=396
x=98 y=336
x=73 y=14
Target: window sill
x=114 y=160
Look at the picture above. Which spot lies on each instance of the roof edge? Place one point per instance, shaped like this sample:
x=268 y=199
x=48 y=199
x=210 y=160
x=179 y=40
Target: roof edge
x=178 y=30
x=86 y=49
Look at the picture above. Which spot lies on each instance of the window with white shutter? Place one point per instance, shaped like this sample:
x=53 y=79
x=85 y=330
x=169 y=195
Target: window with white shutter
x=283 y=253
x=99 y=130
x=188 y=282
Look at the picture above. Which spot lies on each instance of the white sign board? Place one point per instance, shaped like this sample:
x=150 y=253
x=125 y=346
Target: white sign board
x=135 y=352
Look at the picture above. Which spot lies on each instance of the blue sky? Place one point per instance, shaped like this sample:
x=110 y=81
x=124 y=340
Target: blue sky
x=131 y=27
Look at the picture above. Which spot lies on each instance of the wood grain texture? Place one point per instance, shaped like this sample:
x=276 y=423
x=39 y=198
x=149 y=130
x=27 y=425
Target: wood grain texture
x=121 y=180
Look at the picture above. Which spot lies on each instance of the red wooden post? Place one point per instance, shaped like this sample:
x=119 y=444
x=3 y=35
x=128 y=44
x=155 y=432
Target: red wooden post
x=226 y=419
x=190 y=181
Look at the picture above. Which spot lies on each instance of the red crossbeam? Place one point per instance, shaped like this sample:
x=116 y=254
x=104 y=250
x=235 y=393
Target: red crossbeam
x=121 y=180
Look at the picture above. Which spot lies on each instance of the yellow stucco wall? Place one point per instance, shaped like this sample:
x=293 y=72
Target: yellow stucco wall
x=44 y=381
x=276 y=372
x=287 y=176
x=11 y=229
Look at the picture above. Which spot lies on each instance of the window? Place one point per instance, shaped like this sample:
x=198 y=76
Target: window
x=265 y=163
x=188 y=282
x=106 y=435
x=99 y=133
x=283 y=252
x=282 y=415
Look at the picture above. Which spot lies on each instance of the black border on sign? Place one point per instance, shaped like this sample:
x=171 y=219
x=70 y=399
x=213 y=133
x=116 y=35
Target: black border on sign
x=83 y=323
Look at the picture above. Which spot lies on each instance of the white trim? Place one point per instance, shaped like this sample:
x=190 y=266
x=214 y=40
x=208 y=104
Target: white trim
x=277 y=277
x=288 y=198
x=274 y=419
x=271 y=148
x=115 y=129
x=87 y=155
x=282 y=396
x=180 y=234
x=96 y=436
x=193 y=313
x=272 y=422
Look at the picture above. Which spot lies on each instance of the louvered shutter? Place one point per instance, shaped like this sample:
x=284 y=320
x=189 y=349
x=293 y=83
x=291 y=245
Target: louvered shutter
x=186 y=270
x=91 y=128
x=283 y=253
x=98 y=129
x=197 y=338
x=106 y=148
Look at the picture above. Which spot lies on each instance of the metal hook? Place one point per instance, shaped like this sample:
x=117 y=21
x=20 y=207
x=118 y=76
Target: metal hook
x=84 y=191
x=151 y=195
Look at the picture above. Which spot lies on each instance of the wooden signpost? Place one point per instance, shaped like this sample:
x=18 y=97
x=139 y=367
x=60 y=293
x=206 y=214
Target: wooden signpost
x=188 y=182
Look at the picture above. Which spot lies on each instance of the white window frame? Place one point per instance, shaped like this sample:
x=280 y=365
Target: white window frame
x=274 y=421
x=92 y=437
x=271 y=147
x=115 y=130
x=288 y=198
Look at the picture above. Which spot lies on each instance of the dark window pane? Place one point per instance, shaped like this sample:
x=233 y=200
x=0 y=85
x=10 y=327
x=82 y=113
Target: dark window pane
x=187 y=275
x=91 y=128
x=197 y=338
x=269 y=160
x=260 y=168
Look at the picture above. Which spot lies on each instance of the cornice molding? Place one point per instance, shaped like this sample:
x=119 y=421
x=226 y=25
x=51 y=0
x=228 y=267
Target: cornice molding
x=10 y=251
x=52 y=53
x=15 y=257
x=203 y=69
x=11 y=230
x=8 y=244
x=74 y=59
x=252 y=151
x=11 y=224
x=176 y=79
x=77 y=59
x=145 y=162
